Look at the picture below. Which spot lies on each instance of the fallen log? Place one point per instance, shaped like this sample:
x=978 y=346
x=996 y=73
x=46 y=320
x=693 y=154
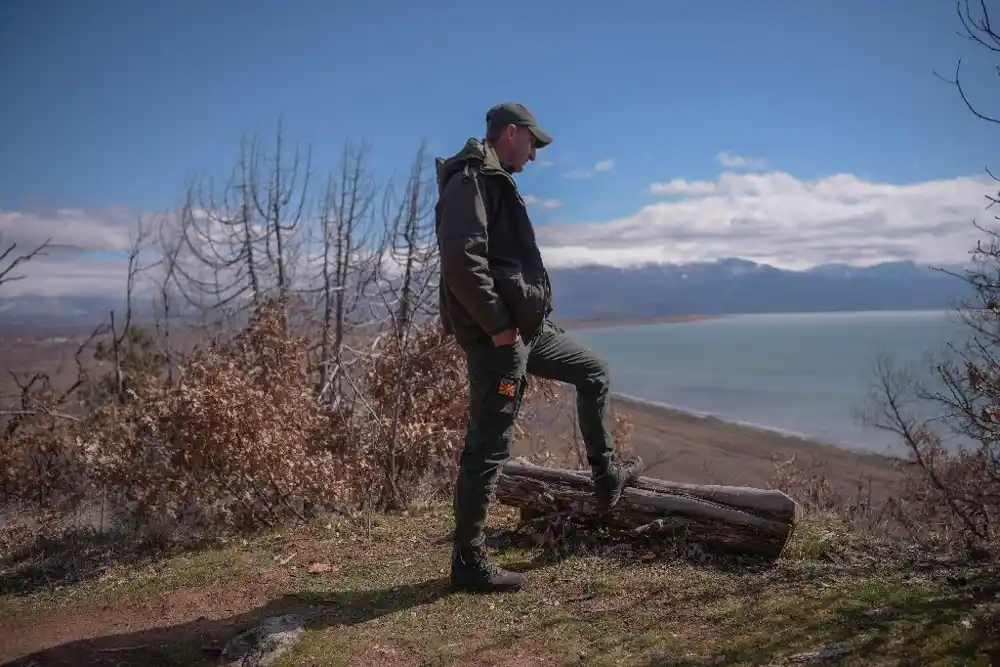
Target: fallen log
x=728 y=518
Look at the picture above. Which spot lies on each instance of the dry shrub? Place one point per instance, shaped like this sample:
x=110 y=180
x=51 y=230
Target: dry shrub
x=238 y=439
x=944 y=414
x=810 y=487
x=235 y=438
x=937 y=502
x=621 y=430
x=42 y=465
x=553 y=429
x=408 y=418
x=16 y=529
x=542 y=407
x=947 y=415
x=415 y=395
x=949 y=498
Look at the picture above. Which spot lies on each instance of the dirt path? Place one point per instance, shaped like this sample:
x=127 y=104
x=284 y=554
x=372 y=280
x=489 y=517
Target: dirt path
x=91 y=634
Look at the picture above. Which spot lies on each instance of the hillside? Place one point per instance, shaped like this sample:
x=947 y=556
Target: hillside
x=374 y=589
x=368 y=582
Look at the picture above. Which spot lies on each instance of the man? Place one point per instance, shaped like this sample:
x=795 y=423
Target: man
x=496 y=301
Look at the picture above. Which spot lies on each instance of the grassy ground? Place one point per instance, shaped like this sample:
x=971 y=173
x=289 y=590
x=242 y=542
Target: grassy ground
x=377 y=595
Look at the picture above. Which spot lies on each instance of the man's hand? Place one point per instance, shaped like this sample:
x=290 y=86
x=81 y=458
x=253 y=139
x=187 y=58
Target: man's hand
x=506 y=337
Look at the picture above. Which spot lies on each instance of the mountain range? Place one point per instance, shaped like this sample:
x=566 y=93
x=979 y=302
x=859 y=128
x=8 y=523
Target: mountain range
x=725 y=286
x=732 y=286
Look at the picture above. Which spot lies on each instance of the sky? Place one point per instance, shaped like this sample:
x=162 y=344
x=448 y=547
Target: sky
x=786 y=132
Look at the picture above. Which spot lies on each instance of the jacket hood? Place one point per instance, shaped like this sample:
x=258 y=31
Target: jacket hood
x=475 y=153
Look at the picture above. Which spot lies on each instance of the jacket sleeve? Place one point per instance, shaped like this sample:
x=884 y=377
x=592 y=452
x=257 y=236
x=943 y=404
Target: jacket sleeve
x=464 y=243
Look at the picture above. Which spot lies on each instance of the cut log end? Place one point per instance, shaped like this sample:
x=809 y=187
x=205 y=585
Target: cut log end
x=738 y=520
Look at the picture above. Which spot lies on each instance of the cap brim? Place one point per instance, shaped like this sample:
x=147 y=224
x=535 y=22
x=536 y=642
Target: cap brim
x=541 y=138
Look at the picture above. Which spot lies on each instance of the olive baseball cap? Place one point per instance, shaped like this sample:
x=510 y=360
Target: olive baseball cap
x=512 y=113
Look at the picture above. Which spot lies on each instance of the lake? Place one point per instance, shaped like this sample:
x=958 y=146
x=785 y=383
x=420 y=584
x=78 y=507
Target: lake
x=809 y=374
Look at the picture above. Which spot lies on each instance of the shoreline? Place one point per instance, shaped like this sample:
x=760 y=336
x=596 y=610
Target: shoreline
x=579 y=322
x=692 y=448
x=695 y=447
x=640 y=403
x=582 y=322
x=688 y=447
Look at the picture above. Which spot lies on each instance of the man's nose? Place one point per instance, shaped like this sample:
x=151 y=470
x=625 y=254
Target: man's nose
x=531 y=156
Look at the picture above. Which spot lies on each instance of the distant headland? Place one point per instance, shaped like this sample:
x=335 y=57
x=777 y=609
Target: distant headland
x=599 y=322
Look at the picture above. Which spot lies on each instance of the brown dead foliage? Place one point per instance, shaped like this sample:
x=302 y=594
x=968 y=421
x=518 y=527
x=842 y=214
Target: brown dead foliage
x=406 y=425
x=952 y=498
x=236 y=439
x=810 y=486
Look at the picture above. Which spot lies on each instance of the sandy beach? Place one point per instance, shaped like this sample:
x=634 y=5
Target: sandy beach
x=683 y=447
x=707 y=449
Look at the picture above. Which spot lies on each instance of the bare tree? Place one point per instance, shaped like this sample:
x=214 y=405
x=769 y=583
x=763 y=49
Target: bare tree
x=409 y=271
x=408 y=275
x=243 y=244
x=119 y=335
x=348 y=262
x=947 y=413
x=167 y=300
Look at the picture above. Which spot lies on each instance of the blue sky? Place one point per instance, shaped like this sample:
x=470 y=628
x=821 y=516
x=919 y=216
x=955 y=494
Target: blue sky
x=112 y=105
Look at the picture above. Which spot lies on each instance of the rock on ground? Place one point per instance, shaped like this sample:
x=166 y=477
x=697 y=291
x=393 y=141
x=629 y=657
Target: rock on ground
x=262 y=645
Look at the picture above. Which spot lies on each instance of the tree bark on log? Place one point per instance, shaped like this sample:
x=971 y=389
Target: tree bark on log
x=733 y=519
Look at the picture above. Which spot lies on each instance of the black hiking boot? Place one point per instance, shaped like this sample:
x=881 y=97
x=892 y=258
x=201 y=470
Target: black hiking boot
x=608 y=485
x=472 y=570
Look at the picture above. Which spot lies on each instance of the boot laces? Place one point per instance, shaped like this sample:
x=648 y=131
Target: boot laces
x=481 y=561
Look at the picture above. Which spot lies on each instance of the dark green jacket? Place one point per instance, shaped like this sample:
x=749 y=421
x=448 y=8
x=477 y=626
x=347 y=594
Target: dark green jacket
x=492 y=276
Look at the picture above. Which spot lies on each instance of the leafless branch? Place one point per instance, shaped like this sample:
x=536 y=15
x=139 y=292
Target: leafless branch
x=947 y=411
x=979 y=30
x=241 y=242
x=347 y=262
x=9 y=260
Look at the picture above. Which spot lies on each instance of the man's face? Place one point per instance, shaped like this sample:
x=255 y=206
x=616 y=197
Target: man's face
x=521 y=147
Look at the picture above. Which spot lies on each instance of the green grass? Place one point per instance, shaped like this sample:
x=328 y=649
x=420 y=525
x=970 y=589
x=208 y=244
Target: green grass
x=385 y=602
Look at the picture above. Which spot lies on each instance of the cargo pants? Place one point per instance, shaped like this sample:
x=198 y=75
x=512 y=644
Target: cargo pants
x=497 y=381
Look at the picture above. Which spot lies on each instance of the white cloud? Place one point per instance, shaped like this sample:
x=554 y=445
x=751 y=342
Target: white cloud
x=109 y=230
x=771 y=217
x=607 y=164
x=680 y=186
x=730 y=161
x=87 y=254
x=779 y=219
x=532 y=200
x=79 y=266
x=74 y=275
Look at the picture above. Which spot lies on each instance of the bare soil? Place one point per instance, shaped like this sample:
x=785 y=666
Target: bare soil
x=683 y=447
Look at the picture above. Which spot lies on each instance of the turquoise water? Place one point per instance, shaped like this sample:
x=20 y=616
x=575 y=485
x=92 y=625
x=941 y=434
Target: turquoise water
x=808 y=374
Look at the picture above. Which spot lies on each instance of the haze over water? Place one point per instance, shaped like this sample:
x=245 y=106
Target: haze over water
x=809 y=374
